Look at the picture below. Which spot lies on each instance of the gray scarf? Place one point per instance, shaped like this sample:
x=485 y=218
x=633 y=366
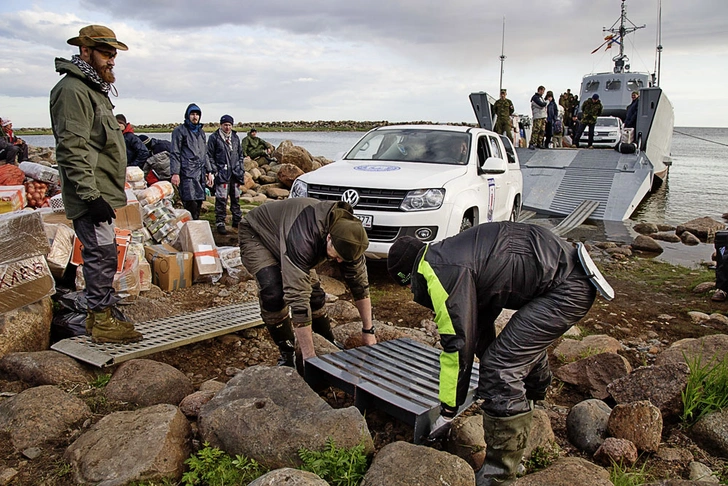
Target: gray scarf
x=90 y=73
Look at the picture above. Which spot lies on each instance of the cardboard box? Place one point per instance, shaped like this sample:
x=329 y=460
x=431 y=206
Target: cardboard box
x=129 y=217
x=196 y=237
x=24 y=281
x=12 y=198
x=123 y=238
x=22 y=236
x=171 y=269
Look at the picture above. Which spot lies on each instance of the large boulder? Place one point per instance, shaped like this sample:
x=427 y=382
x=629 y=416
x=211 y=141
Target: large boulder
x=27 y=328
x=41 y=414
x=467 y=441
x=293 y=154
x=269 y=413
x=586 y=424
x=289 y=477
x=405 y=464
x=570 y=350
x=709 y=349
x=542 y=435
x=594 y=373
x=639 y=422
x=288 y=173
x=568 y=471
x=661 y=385
x=616 y=451
x=147 y=382
x=704 y=228
x=45 y=368
x=711 y=433
x=142 y=445
x=645 y=243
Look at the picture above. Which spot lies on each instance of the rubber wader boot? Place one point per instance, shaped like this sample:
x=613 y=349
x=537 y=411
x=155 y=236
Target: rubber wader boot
x=322 y=326
x=109 y=329
x=282 y=335
x=505 y=439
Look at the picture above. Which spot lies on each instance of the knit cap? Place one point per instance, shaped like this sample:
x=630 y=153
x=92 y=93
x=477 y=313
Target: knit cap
x=401 y=258
x=348 y=235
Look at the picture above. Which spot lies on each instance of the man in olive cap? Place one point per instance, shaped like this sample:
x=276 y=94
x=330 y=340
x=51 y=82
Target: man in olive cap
x=467 y=280
x=91 y=157
x=281 y=243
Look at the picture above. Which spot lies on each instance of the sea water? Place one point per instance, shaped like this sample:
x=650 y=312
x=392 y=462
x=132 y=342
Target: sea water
x=696 y=186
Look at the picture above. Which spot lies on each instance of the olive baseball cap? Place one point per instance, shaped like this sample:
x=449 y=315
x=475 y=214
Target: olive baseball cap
x=348 y=236
x=95 y=35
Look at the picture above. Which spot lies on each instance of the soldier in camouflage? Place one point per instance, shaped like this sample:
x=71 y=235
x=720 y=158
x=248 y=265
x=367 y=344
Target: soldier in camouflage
x=591 y=109
x=568 y=101
x=503 y=109
x=538 y=109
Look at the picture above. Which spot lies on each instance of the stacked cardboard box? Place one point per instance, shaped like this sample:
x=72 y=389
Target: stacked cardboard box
x=171 y=269
x=196 y=237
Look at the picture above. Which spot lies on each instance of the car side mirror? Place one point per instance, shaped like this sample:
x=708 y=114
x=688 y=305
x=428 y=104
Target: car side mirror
x=493 y=165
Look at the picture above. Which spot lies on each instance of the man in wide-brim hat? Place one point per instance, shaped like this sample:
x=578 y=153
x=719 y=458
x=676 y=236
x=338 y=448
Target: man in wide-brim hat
x=91 y=157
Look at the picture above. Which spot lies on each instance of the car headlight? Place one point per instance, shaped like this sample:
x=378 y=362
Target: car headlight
x=423 y=200
x=299 y=189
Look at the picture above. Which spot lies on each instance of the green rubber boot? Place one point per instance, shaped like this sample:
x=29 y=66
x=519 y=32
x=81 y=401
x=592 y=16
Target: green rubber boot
x=505 y=438
x=282 y=335
x=109 y=329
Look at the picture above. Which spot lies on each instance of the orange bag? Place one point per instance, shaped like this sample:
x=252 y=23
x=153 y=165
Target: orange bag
x=11 y=175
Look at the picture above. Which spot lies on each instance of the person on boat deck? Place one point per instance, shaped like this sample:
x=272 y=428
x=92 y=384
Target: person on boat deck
x=136 y=151
x=552 y=113
x=189 y=164
x=538 y=109
x=467 y=280
x=590 y=109
x=503 y=109
x=630 y=120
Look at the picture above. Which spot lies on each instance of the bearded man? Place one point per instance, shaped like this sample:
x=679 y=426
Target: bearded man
x=91 y=156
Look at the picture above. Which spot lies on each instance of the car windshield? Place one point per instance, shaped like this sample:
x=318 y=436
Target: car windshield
x=607 y=122
x=410 y=145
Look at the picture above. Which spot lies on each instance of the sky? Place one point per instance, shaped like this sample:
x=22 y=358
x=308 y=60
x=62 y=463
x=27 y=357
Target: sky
x=393 y=60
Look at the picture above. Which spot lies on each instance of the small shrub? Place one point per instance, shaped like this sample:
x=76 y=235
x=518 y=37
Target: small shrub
x=338 y=467
x=620 y=475
x=211 y=466
x=101 y=381
x=706 y=390
x=542 y=457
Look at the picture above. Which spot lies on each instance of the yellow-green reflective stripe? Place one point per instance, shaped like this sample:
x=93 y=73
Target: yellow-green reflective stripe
x=449 y=378
x=438 y=296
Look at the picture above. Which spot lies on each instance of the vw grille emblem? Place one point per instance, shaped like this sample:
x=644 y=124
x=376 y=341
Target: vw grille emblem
x=350 y=196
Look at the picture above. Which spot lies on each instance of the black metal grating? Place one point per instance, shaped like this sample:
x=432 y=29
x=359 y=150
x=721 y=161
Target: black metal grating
x=399 y=377
x=163 y=334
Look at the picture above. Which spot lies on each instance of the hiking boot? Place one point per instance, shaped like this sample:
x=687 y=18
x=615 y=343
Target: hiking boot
x=221 y=230
x=118 y=315
x=719 y=296
x=108 y=329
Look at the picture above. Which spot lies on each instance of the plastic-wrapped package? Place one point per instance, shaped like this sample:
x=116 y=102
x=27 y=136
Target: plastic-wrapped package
x=126 y=282
x=196 y=237
x=25 y=281
x=40 y=172
x=22 y=235
x=145 y=275
x=140 y=236
x=134 y=174
x=12 y=198
x=60 y=238
x=155 y=192
x=230 y=259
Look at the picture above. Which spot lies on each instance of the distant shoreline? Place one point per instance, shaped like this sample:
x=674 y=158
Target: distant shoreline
x=293 y=126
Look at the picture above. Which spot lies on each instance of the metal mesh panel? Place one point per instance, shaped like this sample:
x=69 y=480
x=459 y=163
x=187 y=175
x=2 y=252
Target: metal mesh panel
x=165 y=333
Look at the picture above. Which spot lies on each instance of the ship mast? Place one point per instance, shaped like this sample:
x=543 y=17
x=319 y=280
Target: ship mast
x=619 y=33
x=502 y=56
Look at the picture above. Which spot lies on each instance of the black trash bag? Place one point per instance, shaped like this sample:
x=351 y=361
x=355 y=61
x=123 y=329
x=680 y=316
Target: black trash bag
x=71 y=319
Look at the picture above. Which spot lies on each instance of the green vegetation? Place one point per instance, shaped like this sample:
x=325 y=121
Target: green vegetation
x=621 y=475
x=101 y=381
x=706 y=390
x=213 y=467
x=338 y=467
x=661 y=275
x=542 y=457
x=62 y=469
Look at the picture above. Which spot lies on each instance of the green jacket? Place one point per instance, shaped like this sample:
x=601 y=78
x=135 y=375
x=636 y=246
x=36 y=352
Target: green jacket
x=591 y=110
x=254 y=147
x=90 y=149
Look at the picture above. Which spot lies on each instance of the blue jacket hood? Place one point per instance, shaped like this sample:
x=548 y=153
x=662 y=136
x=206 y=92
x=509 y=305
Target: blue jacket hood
x=190 y=108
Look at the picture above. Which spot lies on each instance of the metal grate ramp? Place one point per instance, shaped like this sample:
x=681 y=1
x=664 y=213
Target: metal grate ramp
x=399 y=377
x=163 y=334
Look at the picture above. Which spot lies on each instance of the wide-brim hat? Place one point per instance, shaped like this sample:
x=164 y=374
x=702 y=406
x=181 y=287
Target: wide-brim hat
x=95 y=35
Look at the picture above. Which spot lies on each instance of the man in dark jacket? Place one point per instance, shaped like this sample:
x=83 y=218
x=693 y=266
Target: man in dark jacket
x=189 y=165
x=281 y=243
x=591 y=109
x=91 y=160
x=226 y=156
x=630 y=120
x=467 y=280
x=136 y=151
x=257 y=148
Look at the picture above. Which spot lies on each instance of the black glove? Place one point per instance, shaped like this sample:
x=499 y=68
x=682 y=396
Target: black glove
x=441 y=428
x=100 y=211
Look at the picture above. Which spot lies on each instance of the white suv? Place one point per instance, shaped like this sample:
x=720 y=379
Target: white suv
x=426 y=181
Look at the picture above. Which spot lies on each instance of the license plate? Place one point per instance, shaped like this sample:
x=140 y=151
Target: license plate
x=366 y=220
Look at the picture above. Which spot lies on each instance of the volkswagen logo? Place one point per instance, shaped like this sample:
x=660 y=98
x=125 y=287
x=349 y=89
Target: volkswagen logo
x=350 y=196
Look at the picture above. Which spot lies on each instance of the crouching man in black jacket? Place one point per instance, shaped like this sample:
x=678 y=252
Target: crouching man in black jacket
x=467 y=280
